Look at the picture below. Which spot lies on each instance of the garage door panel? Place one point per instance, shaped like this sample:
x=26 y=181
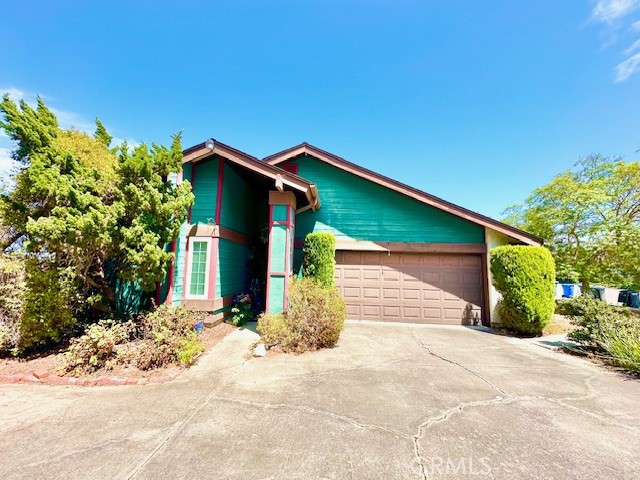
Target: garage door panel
x=353 y=311
x=389 y=275
x=425 y=288
x=411 y=294
x=431 y=313
x=371 y=293
x=430 y=260
x=371 y=274
x=391 y=293
x=351 y=292
x=431 y=294
x=371 y=311
x=391 y=312
x=411 y=313
x=411 y=275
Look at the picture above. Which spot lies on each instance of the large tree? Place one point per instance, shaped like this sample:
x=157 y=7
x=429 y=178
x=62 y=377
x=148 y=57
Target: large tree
x=590 y=219
x=90 y=208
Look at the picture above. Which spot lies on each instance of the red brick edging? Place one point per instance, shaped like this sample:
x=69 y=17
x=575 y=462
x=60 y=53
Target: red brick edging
x=50 y=379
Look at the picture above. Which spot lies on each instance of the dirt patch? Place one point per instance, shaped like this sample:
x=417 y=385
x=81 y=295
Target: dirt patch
x=559 y=324
x=49 y=364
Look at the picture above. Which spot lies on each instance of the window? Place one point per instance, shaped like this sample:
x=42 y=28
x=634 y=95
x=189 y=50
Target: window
x=198 y=275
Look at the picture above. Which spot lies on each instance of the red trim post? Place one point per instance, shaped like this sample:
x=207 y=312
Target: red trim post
x=268 y=289
x=287 y=260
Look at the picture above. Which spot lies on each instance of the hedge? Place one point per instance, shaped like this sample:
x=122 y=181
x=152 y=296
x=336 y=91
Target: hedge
x=318 y=258
x=525 y=276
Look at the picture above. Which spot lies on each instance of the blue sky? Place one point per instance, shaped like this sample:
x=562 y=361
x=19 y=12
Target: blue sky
x=476 y=101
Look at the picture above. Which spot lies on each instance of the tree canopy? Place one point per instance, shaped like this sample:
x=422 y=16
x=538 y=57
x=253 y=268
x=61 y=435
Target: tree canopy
x=90 y=208
x=590 y=219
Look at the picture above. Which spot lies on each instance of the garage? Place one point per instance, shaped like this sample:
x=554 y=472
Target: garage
x=411 y=287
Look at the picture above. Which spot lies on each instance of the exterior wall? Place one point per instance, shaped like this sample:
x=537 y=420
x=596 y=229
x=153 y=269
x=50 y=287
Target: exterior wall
x=231 y=278
x=205 y=189
x=224 y=197
x=236 y=200
x=494 y=239
x=354 y=208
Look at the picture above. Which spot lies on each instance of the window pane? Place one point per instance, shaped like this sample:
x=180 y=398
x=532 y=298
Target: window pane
x=198 y=268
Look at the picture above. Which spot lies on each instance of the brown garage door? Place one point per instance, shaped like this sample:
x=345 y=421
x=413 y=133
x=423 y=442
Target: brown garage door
x=410 y=287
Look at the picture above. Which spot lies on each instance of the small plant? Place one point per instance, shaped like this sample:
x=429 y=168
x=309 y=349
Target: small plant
x=525 y=276
x=314 y=320
x=165 y=333
x=189 y=349
x=162 y=337
x=97 y=347
x=241 y=310
x=318 y=258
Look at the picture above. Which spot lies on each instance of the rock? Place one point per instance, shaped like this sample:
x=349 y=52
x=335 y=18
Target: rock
x=259 y=350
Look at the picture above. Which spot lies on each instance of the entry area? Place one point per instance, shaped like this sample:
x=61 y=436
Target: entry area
x=411 y=287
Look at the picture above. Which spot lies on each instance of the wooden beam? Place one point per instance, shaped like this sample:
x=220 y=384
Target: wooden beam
x=411 y=247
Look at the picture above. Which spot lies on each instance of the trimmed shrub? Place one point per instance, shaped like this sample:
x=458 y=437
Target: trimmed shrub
x=525 y=276
x=48 y=315
x=314 y=320
x=612 y=331
x=12 y=292
x=319 y=258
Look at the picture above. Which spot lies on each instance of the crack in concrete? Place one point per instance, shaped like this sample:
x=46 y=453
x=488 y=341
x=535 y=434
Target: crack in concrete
x=180 y=424
x=305 y=408
x=453 y=362
x=71 y=453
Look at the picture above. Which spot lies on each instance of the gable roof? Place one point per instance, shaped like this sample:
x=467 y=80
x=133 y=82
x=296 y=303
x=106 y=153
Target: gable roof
x=280 y=176
x=426 y=198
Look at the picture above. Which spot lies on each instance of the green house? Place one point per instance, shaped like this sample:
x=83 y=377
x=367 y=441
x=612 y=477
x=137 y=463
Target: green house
x=402 y=254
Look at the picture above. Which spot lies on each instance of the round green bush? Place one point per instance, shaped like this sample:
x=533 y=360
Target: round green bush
x=319 y=257
x=525 y=276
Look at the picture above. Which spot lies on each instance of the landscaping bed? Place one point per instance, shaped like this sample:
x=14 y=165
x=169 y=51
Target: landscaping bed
x=49 y=367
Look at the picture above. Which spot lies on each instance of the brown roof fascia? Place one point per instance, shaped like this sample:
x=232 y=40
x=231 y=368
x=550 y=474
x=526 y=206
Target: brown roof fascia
x=412 y=192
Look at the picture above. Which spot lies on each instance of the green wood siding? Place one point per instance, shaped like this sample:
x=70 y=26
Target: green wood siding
x=276 y=295
x=278 y=248
x=280 y=213
x=357 y=209
x=232 y=268
x=205 y=189
x=236 y=200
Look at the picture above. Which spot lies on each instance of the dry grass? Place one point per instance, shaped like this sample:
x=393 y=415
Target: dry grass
x=559 y=324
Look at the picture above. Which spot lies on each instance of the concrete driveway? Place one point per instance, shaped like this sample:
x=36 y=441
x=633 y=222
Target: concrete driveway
x=391 y=401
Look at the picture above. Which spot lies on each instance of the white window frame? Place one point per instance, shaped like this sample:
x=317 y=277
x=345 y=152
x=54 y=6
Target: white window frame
x=188 y=294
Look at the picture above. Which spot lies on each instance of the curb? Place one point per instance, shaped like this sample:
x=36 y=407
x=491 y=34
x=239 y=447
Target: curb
x=43 y=378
